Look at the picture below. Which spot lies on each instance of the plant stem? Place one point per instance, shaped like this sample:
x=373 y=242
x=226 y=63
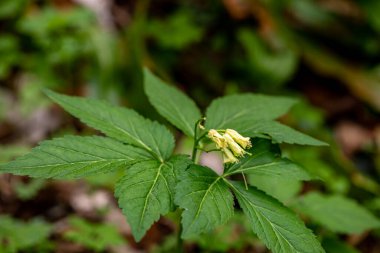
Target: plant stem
x=180 y=240
x=245 y=181
x=194 y=155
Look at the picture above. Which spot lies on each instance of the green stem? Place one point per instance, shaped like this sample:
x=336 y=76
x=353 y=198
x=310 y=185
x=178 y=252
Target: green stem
x=180 y=240
x=245 y=181
x=194 y=155
x=200 y=138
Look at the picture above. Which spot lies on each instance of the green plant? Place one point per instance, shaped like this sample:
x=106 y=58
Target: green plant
x=26 y=191
x=96 y=237
x=156 y=181
x=16 y=235
x=181 y=30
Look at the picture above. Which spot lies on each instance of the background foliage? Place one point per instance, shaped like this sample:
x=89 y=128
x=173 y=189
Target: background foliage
x=325 y=52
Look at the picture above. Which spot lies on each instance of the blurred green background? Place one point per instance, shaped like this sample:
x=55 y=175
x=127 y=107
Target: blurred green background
x=324 y=52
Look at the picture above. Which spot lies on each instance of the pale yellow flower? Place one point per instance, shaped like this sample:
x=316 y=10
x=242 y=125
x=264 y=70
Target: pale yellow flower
x=231 y=143
x=217 y=138
x=244 y=142
x=235 y=148
x=228 y=157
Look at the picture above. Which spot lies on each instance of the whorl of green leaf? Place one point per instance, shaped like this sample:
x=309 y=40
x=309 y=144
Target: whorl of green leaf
x=155 y=182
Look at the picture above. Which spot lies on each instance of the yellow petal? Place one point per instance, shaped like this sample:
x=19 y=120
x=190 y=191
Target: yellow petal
x=244 y=142
x=228 y=157
x=235 y=148
x=217 y=138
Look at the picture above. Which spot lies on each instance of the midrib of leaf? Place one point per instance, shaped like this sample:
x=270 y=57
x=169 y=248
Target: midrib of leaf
x=75 y=163
x=100 y=159
x=182 y=117
x=150 y=192
x=233 y=117
x=260 y=217
x=88 y=154
x=78 y=169
x=136 y=139
x=59 y=158
x=217 y=206
x=274 y=229
x=112 y=122
x=251 y=168
x=160 y=158
x=166 y=182
x=242 y=164
x=203 y=199
x=87 y=165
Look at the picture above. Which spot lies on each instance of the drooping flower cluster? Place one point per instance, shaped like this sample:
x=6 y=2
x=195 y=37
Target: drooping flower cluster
x=231 y=143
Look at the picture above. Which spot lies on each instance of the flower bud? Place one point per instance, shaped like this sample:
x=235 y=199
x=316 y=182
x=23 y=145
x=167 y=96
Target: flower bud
x=228 y=157
x=244 y=142
x=235 y=148
x=217 y=138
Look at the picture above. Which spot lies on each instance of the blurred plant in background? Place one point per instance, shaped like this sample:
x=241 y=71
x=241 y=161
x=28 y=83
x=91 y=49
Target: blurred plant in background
x=326 y=52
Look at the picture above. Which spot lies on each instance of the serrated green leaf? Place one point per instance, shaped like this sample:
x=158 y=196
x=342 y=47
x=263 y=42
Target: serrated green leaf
x=146 y=191
x=281 y=188
x=337 y=213
x=253 y=115
x=279 y=133
x=180 y=163
x=74 y=157
x=171 y=103
x=276 y=225
x=96 y=237
x=120 y=123
x=235 y=111
x=205 y=198
x=266 y=160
